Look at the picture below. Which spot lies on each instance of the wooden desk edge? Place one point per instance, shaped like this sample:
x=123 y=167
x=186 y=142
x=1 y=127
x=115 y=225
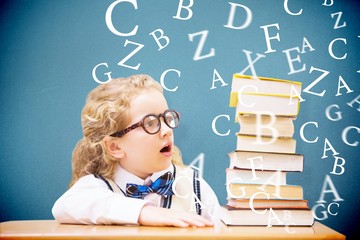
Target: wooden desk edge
x=50 y=229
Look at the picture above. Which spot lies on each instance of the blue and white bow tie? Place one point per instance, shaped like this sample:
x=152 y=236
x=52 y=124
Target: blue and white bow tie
x=161 y=186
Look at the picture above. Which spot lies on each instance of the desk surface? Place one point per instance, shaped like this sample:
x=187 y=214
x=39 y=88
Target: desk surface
x=50 y=229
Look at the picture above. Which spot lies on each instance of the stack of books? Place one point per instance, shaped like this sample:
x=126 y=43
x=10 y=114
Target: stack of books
x=257 y=190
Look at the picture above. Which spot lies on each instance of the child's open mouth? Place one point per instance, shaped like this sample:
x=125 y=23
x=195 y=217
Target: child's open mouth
x=167 y=150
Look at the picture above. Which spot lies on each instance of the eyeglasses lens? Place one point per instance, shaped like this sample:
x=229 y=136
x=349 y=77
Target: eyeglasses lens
x=152 y=124
x=171 y=119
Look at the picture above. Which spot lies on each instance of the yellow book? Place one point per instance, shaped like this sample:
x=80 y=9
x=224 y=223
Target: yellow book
x=261 y=191
x=262 y=85
x=263 y=103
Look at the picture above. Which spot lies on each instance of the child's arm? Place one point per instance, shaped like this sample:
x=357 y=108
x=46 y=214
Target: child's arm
x=156 y=216
x=89 y=201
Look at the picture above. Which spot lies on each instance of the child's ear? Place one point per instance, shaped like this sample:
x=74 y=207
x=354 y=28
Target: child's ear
x=113 y=147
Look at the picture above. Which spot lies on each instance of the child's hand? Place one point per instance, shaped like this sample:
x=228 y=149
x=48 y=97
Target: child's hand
x=157 y=216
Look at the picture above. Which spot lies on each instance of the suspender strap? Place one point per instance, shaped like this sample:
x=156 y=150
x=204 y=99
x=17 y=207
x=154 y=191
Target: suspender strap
x=168 y=199
x=112 y=186
x=196 y=184
x=106 y=181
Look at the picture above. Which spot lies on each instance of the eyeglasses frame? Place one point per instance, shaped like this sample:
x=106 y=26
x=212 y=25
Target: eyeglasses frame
x=121 y=133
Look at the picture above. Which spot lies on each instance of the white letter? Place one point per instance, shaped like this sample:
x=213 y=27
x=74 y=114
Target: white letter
x=275 y=176
x=327 y=142
x=162 y=79
x=306 y=44
x=197 y=55
x=213 y=126
x=328 y=5
x=175 y=184
x=269 y=126
x=338 y=113
x=232 y=15
x=251 y=62
x=253 y=165
x=302 y=132
x=229 y=192
x=336 y=26
x=332 y=53
x=328 y=208
x=333 y=190
x=109 y=23
x=325 y=216
x=344 y=85
x=268 y=38
x=356 y=100
x=344 y=134
x=218 y=79
x=200 y=158
x=291 y=60
x=251 y=202
x=271 y=212
x=307 y=89
x=122 y=62
x=108 y=74
x=167 y=40
x=288 y=11
x=338 y=165
x=294 y=93
x=240 y=98
x=188 y=8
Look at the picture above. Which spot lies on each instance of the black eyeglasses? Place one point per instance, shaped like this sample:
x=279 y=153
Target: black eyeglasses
x=151 y=123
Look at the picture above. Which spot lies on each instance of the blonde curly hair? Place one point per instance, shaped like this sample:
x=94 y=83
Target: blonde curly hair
x=106 y=111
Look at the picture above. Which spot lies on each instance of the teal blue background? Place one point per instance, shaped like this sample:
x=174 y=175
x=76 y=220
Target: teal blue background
x=49 y=48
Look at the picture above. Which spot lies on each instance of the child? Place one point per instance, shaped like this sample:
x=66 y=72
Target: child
x=122 y=167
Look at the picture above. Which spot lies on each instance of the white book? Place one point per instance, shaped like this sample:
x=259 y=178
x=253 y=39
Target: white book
x=266 y=160
x=266 y=124
x=267 y=85
x=255 y=176
x=265 y=143
x=284 y=217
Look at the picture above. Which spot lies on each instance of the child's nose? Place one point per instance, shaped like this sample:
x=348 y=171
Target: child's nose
x=165 y=129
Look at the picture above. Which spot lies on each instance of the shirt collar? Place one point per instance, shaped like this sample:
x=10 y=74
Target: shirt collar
x=123 y=177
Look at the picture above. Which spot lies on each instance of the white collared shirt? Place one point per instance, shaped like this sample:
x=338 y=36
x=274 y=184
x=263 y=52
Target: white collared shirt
x=89 y=201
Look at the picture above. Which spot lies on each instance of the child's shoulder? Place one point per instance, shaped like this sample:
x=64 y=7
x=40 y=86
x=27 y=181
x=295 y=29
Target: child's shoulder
x=90 y=180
